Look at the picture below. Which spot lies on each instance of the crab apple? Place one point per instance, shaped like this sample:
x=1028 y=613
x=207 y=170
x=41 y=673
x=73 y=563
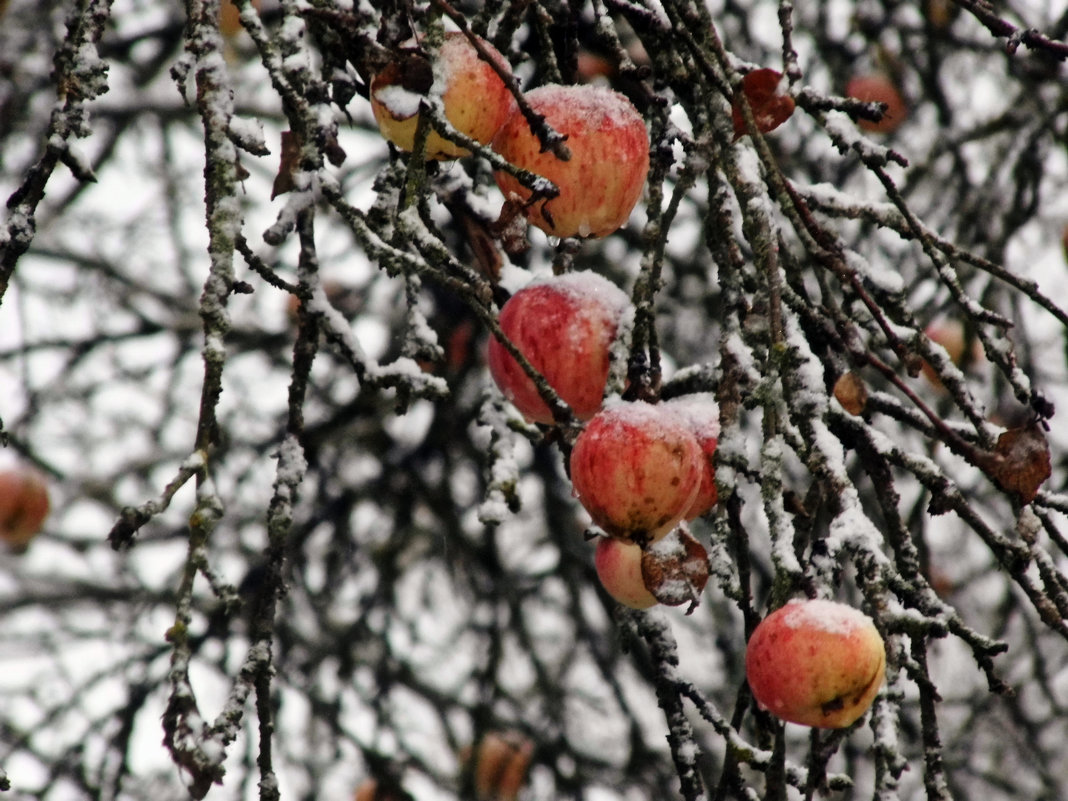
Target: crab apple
x=601 y=182
x=475 y=99
x=816 y=662
x=636 y=469
x=564 y=326
x=878 y=88
x=501 y=763
x=619 y=567
x=24 y=505
x=771 y=106
x=700 y=413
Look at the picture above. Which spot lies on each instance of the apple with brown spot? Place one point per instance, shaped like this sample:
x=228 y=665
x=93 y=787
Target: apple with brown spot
x=602 y=181
x=700 y=412
x=819 y=663
x=636 y=469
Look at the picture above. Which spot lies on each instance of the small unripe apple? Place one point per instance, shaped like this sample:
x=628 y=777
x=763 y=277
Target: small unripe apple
x=475 y=99
x=602 y=181
x=564 y=326
x=619 y=567
x=878 y=88
x=502 y=760
x=24 y=505
x=636 y=469
x=816 y=662
x=700 y=413
x=766 y=92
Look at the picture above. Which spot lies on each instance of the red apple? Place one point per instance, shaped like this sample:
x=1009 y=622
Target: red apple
x=565 y=326
x=24 y=505
x=700 y=413
x=877 y=88
x=815 y=662
x=475 y=99
x=619 y=567
x=636 y=469
x=766 y=92
x=602 y=181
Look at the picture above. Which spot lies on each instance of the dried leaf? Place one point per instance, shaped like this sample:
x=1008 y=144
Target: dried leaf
x=1020 y=462
x=290 y=163
x=675 y=569
x=850 y=391
x=770 y=107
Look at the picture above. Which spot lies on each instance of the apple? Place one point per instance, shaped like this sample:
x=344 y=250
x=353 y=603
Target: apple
x=475 y=99
x=636 y=469
x=502 y=761
x=878 y=88
x=851 y=392
x=619 y=567
x=771 y=106
x=230 y=17
x=950 y=334
x=700 y=413
x=565 y=326
x=816 y=662
x=24 y=505
x=601 y=182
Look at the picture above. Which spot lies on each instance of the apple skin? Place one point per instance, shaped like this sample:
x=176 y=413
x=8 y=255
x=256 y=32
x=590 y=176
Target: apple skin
x=636 y=468
x=816 y=662
x=604 y=178
x=700 y=413
x=475 y=99
x=565 y=326
x=619 y=567
x=877 y=88
x=24 y=506
x=950 y=334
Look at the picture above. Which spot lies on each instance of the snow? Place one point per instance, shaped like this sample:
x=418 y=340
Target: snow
x=823 y=615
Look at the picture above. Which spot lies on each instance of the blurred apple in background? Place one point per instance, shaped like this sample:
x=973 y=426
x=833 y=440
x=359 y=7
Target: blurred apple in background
x=24 y=506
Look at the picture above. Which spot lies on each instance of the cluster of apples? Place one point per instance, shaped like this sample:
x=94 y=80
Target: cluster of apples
x=641 y=470
x=24 y=505
x=598 y=186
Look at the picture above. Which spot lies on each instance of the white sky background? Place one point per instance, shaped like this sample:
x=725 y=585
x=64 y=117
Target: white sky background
x=127 y=216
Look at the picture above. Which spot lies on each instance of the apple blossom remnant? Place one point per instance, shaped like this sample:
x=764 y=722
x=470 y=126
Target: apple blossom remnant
x=601 y=182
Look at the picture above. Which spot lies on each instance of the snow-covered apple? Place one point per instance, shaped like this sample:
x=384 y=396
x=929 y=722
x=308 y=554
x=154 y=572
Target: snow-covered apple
x=619 y=567
x=474 y=98
x=878 y=88
x=564 y=325
x=24 y=505
x=700 y=413
x=816 y=662
x=601 y=182
x=636 y=468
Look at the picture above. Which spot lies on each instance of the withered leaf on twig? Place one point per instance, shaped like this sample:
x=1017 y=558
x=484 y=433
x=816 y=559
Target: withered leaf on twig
x=289 y=164
x=1020 y=462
